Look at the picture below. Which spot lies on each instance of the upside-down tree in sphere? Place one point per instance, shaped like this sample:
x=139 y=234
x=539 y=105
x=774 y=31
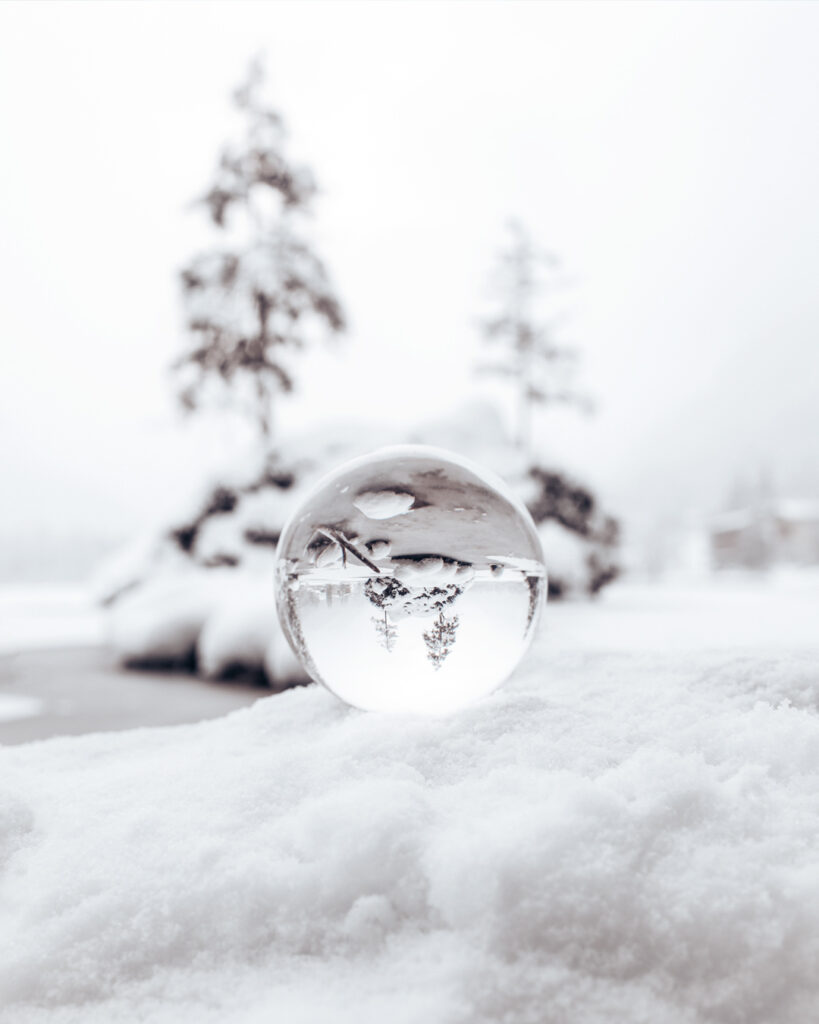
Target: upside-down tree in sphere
x=386 y=632
x=262 y=292
x=440 y=638
x=527 y=350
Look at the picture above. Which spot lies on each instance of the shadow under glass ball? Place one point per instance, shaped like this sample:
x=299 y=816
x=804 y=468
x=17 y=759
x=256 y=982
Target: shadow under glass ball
x=409 y=580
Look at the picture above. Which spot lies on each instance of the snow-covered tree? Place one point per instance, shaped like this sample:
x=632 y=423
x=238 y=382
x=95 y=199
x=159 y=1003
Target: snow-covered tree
x=261 y=293
x=528 y=354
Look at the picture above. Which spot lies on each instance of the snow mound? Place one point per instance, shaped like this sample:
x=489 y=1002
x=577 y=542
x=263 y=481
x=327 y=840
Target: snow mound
x=223 y=621
x=237 y=632
x=610 y=837
x=161 y=620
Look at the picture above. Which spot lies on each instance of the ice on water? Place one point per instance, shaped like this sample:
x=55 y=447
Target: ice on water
x=410 y=580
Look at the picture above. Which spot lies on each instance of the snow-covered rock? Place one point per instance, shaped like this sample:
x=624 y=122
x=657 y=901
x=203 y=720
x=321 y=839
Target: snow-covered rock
x=610 y=837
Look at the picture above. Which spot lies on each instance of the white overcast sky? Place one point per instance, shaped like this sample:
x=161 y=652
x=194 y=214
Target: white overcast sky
x=669 y=153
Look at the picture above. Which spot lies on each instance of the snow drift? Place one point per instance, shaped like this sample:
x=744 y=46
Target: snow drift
x=609 y=837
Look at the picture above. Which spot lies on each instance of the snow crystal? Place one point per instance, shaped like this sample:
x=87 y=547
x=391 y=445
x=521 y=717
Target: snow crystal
x=611 y=837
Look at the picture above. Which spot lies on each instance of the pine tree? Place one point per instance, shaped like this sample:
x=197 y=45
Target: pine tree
x=262 y=292
x=387 y=632
x=440 y=639
x=530 y=356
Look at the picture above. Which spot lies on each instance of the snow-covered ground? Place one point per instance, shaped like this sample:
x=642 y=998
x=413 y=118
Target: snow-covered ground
x=777 y=612
x=15 y=706
x=627 y=831
x=59 y=615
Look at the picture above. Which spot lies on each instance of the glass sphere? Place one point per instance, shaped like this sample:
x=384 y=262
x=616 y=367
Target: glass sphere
x=409 y=580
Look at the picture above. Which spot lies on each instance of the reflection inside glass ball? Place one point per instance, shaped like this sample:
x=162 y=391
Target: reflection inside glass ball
x=409 y=580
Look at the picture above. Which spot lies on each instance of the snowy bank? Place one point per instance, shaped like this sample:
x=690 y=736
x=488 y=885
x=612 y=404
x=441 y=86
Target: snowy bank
x=611 y=837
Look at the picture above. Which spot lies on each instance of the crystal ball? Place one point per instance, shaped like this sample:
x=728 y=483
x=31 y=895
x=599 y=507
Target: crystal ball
x=411 y=580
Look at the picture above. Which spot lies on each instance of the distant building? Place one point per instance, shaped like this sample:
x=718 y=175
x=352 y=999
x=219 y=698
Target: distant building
x=779 y=532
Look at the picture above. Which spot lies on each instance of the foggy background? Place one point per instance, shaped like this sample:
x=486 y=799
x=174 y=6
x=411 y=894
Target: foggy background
x=666 y=152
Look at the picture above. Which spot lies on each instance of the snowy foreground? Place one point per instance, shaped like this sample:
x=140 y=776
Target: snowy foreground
x=626 y=832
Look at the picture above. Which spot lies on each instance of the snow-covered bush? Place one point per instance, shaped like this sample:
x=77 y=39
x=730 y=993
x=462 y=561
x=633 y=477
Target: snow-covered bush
x=220 y=621
x=202 y=593
x=160 y=620
x=565 y=554
x=579 y=541
x=235 y=636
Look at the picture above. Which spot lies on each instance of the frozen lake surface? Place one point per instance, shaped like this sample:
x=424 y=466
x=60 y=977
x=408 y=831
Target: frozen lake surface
x=58 y=678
